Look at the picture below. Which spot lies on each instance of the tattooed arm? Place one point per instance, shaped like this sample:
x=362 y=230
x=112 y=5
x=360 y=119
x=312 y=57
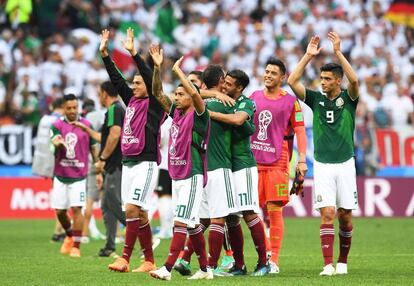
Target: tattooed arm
x=157 y=56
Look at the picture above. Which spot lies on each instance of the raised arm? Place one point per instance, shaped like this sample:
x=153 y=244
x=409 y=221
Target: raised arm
x=115 y=75
x=294 y=78
x=189 y=87
x=353 y=85
x=157 y=57
x=143 y=68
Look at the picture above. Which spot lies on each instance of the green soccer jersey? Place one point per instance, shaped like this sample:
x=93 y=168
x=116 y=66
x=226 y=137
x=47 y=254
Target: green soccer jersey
x=219 y=152
x=241 y=154
x=333 y=126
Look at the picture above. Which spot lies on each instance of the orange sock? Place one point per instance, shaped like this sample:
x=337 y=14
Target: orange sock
x=276 y=231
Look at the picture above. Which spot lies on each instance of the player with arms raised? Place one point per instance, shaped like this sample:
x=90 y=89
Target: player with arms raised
x=333 y=133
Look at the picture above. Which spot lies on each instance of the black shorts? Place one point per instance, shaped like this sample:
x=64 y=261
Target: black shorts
x=164 y=183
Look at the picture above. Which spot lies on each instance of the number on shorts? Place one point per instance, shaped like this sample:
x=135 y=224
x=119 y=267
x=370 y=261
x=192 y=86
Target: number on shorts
x=181 y=210
x=281 y=190
x=82 y=196
x=243 y=199
x=137 y=194
x=330 y=116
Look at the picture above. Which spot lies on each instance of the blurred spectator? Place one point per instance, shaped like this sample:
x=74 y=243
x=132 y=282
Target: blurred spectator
x=18 y=12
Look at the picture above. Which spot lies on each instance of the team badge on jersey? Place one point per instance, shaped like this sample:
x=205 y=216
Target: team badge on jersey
x=339 y=102
x=175 y=129
x=71 y=139
x=265 y=117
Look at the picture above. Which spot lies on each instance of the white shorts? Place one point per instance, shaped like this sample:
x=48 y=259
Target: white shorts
x=335 y=185
x=68 y=195
x=246 y=184
x=219 y=197
x=138 y=184
x=186 y=196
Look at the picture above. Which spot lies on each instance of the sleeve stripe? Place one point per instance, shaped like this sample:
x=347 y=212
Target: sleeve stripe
x=111 y=115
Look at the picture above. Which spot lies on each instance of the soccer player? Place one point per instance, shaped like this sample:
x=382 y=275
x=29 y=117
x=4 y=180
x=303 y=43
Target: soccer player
x=140 y=152
x=70 y=171
x=333 y=133
x=109 y=166
x=244 y=174
x=163 y=189
x=218 y=196
x=278 y=117
x=186 y=164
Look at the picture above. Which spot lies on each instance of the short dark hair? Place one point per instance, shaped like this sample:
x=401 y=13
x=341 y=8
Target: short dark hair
x=212 y=75
x=197 y=73
x=109 y=88
x=88 y=104
x=68 y=97
x=242 y=79
x=276 y=62
x=335 y=68
x=57 y=103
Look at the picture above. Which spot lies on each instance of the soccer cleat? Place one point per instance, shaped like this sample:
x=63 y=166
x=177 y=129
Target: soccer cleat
x=261 y=270
x=183 y=267
x=200 y=274
x=147 y=266
x=66 y=245
x=75 y=252
x=341 y=269
x=155 y=242
x=273 y=268
x=161 y=273
x=220 y=273
x=104 y=252
x=119 y=265
x=328 y=270
x=234 y=271
x=85 y=239
x=227 y=262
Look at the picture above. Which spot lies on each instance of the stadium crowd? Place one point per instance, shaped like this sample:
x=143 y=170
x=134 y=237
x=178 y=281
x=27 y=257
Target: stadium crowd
x=48 y=48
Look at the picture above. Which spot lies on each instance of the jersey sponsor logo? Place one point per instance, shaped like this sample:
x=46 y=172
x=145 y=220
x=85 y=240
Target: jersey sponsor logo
x=129 y=113
x=339 y=102
x=265 y=117
x=174 y=134
x=71 y=139
x=242 y=105
x=321 y=103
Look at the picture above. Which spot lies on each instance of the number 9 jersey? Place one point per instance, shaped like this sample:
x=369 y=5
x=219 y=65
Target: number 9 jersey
x=333 y=126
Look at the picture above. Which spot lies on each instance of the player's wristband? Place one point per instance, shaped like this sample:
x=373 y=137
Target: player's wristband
x=101 y=158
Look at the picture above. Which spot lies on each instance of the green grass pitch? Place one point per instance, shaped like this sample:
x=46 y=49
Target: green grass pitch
x=382 y=254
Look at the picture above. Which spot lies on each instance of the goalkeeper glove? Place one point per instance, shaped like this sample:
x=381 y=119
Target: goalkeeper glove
x=297 y=187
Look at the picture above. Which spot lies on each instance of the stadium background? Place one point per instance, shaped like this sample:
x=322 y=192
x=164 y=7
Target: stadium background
x=48 y=48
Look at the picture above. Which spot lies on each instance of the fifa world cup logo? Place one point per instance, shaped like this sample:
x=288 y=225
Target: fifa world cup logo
x=174 y=134
x=265 y=117
x=71 y=139
x=129 y=113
